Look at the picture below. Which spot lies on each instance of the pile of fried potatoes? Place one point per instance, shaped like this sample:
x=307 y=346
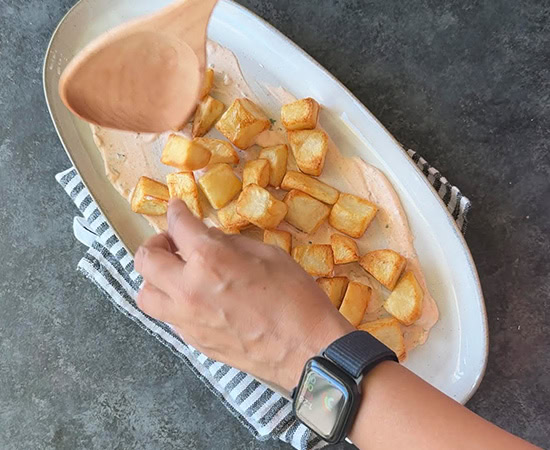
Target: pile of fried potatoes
x=307 y=204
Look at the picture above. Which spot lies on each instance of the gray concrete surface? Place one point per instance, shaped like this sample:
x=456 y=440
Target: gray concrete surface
x=464 y=83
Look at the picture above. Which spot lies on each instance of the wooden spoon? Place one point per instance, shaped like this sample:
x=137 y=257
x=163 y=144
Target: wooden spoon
x=142 y=76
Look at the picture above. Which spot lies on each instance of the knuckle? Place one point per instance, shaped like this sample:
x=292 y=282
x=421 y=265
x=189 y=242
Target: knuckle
x=208 y=252
x=196 y=258
x=167 y=241
x=145 y=260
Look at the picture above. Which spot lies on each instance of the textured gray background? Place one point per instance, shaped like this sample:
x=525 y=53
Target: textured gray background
x=464 y=83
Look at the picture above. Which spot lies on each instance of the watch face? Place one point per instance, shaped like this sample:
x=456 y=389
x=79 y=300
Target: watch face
x=322 y=401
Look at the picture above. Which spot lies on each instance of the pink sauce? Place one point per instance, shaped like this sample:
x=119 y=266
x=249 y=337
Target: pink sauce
x=128 y=156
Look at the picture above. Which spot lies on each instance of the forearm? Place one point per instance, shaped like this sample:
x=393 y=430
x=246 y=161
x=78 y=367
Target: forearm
x=400 y=410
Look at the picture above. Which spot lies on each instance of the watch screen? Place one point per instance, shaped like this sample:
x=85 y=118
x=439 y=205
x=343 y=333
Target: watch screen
x=320 y=401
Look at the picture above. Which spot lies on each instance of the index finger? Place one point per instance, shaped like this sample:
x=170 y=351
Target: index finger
x=187 y=232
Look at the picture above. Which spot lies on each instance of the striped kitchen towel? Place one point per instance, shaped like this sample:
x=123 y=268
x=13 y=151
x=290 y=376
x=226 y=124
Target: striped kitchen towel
x=265 y=413
x=458 y=205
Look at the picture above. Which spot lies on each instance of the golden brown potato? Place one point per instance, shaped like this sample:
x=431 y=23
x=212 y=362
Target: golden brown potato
x=242 y=122
x=388 y=331
x=384 y=265
x=256 y=172
x=279 y=238
x=309 y=148
x=208 y=82
x=208 y=112
x=300 y=115
x=304 y=212
x=317 y=189
x=231 y=230
x=184 y=154
x=355 y=302
x=230 y=219
x=259 y=207
x=316 y=259
x=277 y=157
x=352 y=215
x=344 y=249
x=222 y=151
x=150 y=197
x=335 y=288
x=220 y=185
x=182 y=185
x=405 y=302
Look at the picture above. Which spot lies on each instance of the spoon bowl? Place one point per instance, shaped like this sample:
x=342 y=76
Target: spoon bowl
x=143 y=76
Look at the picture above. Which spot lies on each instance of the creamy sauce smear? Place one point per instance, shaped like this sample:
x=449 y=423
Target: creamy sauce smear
x=128 y=156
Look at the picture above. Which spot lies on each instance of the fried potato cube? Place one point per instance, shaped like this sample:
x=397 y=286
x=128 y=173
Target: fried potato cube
x=208 y=112
x=316 y=259
x=222 y=151
x=304 y=212
x=261 y=208
x=277 y=157
x=352 y=215
x=207 y=83
x=344 y=249
x=385 y=266
x=231 y=230
x=356 y=300
x=150 y=197
x=182 y=185
x=317 y=189
x=405 y=302
x=388 y=331
x=279 y=238
x=220 y=185
x=184 y=154
x=256 y=172
x=242 y=122
x=230 y=219
x=300 y=115
x=309 y=148
x=335 y=288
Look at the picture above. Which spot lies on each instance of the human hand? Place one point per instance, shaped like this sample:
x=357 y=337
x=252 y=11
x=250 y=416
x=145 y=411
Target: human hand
x=250 y=305
x=235 y=299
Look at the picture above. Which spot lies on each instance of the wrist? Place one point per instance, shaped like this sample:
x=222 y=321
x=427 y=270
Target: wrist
x=319 y=337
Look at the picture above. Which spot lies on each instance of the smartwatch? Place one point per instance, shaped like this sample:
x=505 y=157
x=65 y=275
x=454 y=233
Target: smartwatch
x=329 y=392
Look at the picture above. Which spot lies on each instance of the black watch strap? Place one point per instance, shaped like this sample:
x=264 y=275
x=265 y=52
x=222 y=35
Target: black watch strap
x=358 y=352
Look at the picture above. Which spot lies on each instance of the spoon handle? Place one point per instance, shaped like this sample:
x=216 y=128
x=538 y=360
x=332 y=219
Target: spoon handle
x=188 y=19
x=190 y=15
